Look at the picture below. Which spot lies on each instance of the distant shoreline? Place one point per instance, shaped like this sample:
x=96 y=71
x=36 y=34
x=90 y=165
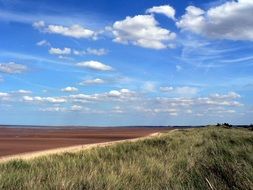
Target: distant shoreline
x=103 y=127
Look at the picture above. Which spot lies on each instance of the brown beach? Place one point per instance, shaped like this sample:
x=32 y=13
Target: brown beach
x=15 y=141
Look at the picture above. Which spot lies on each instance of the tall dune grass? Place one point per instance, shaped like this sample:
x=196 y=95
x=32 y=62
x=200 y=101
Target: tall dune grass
x=206 y=158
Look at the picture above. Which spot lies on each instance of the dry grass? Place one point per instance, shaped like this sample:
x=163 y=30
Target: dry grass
x=203 y=158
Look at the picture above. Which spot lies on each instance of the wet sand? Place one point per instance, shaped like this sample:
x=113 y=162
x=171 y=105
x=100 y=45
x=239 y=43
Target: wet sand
x=15 y=141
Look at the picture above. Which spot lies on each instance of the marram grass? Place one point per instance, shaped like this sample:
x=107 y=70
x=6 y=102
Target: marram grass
x=204 y=158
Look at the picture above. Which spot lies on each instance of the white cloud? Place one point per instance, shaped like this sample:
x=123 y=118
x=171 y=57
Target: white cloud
x=231 y=20
x=113 y=95
x=117 y=109
x=69 y=89
x=186 y=90
x=95 y=65
x=120 y=94
x=149 y=86
x=12 y=68
x=75 y=31
x=171 y=110
x=91 y=51
x=92 y=81
x=193 y=20
x=21 y=91
x=76 y=108
x=43 y=43
x=143 y=31
x=54 y=109
x=226 y=111
x=217 y=100
x=166 y=10
x=219 y=110
x=84 y=98
x=189 y=111
x=182 y=91
x=58 y=51
x=4 y=96
x=98 y=52
x=39 y=24
x=166 y=88
x=230 y=95
x=44 y=99
x=125 y=100
x=160 y=110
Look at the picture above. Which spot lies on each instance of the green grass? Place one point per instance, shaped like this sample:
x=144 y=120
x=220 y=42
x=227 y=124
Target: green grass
x=183 y=159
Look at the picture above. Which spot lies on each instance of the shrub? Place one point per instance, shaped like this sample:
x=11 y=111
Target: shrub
x=226 y=125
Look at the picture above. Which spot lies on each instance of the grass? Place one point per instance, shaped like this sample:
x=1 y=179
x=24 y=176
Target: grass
x=204 y=158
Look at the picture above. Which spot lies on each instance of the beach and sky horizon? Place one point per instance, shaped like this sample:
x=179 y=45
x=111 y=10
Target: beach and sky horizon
x=126 y=63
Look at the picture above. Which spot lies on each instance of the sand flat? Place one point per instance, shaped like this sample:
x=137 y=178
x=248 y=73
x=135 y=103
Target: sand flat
x=17 y=141
x=69 y=149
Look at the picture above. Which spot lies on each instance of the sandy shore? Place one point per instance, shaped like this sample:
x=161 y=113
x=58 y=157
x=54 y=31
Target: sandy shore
x=71 y=149
x=27 y=143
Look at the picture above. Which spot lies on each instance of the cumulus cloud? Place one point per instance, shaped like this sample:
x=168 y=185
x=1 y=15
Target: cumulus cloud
x=98 y=52
x=230 y=95
x=76 y=108
x=84 y=98
x=54 y=109
x=112 y=95
x=125 y=100
x=12 y=68
x=91 y=51
x=120 y=94
x=143 y=31
x=58 y=51
x=217 y=100
x=95 y=65
x=182 y=91
x=69 y=89
x=75 y=31
x=231 y=20
x=4 y=95
x=161 y=110
x=38 y=99
x=166 y=10
x=92 y=81
x=68 y=51
x=72 y=108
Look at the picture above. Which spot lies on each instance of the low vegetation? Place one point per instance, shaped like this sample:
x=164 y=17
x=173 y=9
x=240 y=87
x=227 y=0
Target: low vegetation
x=204 y=158
x=225 y=125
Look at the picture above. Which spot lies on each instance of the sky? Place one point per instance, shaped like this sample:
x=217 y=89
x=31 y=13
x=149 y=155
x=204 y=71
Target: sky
x=118 y=62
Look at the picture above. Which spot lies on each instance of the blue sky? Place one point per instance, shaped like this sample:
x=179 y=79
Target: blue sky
x=109 y=63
